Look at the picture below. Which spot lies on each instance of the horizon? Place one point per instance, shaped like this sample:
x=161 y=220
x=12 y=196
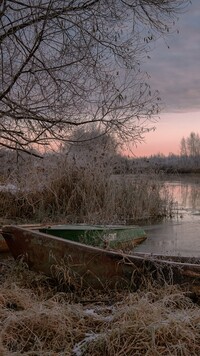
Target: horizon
x=167 y=136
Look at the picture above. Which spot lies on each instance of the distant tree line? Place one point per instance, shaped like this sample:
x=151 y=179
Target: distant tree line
x=190 y=146
x=188 y=161
x=88 y=149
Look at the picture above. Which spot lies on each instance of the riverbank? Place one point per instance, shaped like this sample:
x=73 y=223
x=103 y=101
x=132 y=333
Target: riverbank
x=39 y=318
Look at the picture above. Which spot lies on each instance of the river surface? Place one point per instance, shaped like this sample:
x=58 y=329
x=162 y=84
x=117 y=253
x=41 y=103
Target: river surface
x=181 y=235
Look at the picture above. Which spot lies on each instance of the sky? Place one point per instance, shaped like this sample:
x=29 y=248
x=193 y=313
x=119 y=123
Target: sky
x=175 y=72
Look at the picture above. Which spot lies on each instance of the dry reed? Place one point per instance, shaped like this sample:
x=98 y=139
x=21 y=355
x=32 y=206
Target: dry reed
x=168 y=324
x=36 y=319
x=66 y=192
x=40 y=317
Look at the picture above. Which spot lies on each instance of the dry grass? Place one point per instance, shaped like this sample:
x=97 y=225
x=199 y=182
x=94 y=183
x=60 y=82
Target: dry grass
x=36 y=319
x=40 y=317
x=66 y=192
x=166 y=324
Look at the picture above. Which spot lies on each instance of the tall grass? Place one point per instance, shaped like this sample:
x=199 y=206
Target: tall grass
x=65 y=191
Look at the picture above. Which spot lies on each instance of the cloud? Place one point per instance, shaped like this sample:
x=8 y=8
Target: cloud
x=175 y=71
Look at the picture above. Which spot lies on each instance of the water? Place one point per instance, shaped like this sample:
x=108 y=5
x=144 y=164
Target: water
x=181 y=235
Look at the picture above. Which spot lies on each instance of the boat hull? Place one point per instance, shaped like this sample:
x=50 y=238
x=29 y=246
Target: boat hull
x=87 y=266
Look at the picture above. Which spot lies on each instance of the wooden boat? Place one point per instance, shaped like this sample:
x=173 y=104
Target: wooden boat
x=104 y=236
x=112 y=236
x=81 y=265
x=3 y=245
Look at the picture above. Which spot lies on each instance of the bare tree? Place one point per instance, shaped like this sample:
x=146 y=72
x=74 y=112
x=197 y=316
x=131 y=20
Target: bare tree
x=67 y=63
x=190 y=146
x=193 y=144
x=89 y=146
x=183 y=147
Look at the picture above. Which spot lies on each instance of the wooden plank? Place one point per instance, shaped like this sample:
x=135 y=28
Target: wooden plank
x=182 y=259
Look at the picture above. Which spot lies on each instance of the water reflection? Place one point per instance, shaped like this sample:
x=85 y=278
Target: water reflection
x=180 y=236
x=187 y=195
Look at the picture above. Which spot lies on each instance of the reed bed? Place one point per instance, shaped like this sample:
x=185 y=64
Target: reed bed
x=66 y=192
x=37 y=319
